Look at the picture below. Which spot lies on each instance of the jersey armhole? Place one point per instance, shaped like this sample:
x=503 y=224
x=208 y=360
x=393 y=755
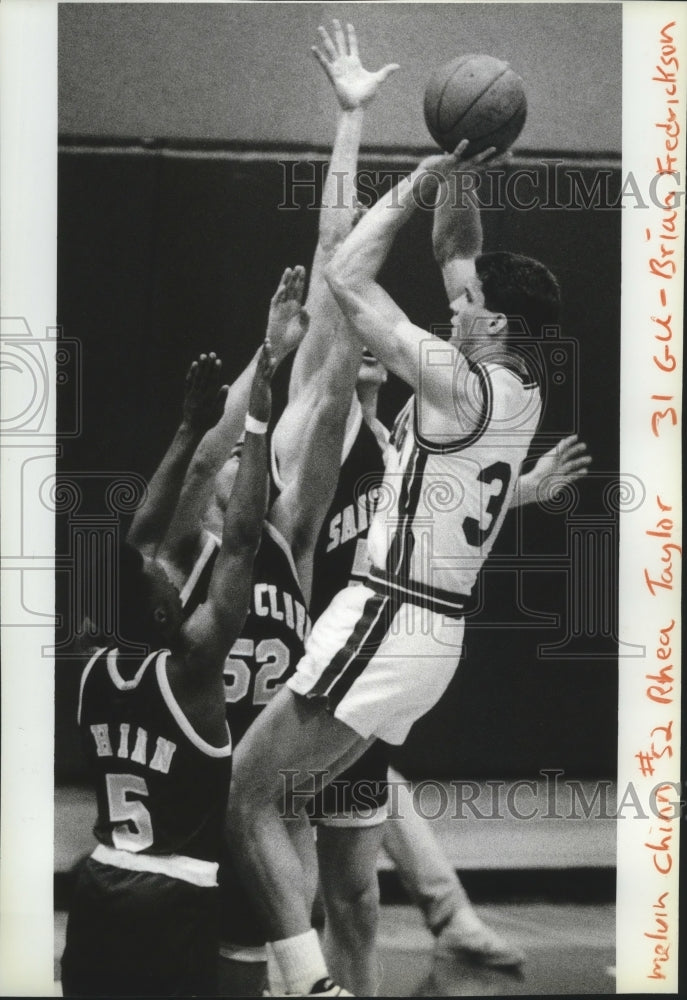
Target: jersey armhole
x=86 y=671
x=461 y=443
x=179 y=716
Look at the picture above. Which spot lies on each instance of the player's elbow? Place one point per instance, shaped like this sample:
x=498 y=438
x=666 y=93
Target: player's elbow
x=338 y=276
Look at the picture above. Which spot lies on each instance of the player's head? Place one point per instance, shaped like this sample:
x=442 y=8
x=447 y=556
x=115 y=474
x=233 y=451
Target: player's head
x=521 y=288
x=497 y=297
x=149 y=608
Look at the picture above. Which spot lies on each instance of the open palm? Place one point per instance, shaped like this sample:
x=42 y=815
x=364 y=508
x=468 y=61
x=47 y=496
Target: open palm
x=354 y=86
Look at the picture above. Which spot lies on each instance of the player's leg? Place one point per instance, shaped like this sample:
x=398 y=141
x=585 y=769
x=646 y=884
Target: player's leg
x=350 y=891
x=275 y=771
x=431 y=882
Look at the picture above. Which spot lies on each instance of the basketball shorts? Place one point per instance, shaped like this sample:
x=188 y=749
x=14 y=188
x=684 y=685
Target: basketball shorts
x=139 y=933
x=359 y=795
x=378 y=664
x=242 y=934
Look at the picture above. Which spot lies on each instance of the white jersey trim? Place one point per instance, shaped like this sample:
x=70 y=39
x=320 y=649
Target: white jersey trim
x=117 y=679
x=464 y=442
x=86 y=671
x=193 y=870
x=353 y=428
x=277 y=537
x=212 y=543
x=179 y=717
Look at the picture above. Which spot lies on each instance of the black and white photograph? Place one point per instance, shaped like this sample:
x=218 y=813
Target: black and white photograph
x=342 y=364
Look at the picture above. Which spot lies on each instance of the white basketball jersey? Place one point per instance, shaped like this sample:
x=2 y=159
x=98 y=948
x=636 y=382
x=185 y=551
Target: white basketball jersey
x=442 y=505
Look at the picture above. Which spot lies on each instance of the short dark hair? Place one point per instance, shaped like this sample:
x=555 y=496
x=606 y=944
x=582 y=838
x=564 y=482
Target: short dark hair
x=129 y=614
x=521 y=288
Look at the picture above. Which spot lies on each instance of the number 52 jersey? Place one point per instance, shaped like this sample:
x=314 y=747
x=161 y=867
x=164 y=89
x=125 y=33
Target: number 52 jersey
x=442 y=503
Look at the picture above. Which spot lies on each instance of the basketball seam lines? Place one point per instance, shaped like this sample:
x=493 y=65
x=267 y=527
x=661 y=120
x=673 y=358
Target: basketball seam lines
x=472 y=104
x=501 y=125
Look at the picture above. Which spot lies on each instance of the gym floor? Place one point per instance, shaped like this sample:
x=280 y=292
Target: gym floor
x=570 y=948
x=547 y=886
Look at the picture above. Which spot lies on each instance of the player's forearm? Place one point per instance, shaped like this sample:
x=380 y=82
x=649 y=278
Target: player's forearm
x=336 y=373
x=247 y=505
x=336 y=218
x=216 y=446
x=300 y=511
x=364 y=251
x=152 y=520
x=457 y=228
x=338 y=195
x=525 y=491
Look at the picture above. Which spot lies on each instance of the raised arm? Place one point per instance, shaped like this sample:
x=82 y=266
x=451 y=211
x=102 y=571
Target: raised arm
x=203 y=403
x=355 y=88
x=565 y=463
x=212 y=628
x=371 y=312
x=300 y=509
x=286 y=325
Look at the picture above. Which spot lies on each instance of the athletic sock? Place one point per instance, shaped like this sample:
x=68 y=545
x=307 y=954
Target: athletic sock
x=300 y=960
x=275 y=980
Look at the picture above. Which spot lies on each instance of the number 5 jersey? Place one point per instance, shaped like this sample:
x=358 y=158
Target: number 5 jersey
x=161 y=789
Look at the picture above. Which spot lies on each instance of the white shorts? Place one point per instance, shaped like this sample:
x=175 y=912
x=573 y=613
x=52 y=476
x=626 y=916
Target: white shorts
x=377 y=664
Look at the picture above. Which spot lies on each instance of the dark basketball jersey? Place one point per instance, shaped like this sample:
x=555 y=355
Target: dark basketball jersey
x=341 y=551
x=273 y=636
x=161 y=789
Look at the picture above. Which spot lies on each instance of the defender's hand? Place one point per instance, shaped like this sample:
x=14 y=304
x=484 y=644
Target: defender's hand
x=204 y=396
x=288 y=321
x=353 y=85
x=446 y=163
x=562 y=465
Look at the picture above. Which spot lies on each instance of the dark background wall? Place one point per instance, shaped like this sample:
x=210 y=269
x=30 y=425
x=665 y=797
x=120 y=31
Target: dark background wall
x=173 y=242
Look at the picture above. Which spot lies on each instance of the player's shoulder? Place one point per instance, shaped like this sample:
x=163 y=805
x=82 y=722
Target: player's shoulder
x=513 y=372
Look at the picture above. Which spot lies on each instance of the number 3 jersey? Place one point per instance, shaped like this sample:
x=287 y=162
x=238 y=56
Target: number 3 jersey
x=161 y=789
x=442 y=504
x=272 y=640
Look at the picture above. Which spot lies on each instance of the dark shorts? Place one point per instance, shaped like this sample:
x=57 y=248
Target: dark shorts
x=359 y=795
x=139 y=933
x=239 y=920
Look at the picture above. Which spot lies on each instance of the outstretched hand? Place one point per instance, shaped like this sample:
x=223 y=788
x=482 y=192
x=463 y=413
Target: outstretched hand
x=288 y=320
x=353 y=85
x=445 y=163
x=204 y=396
x=260 y=403
x=561 y=466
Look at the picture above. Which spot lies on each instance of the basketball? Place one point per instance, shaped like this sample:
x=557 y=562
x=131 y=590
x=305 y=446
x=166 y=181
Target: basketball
x=478 y=98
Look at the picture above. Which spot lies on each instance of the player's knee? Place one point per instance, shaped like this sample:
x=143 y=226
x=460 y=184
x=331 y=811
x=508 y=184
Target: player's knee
x=354 y=907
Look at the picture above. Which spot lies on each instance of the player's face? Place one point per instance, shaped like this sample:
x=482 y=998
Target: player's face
x=164 y=596
x=471 y=321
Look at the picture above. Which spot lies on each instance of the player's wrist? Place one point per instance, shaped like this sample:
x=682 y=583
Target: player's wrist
x=190 y=428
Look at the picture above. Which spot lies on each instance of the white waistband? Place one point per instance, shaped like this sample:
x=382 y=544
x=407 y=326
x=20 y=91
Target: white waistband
x=193 y=870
